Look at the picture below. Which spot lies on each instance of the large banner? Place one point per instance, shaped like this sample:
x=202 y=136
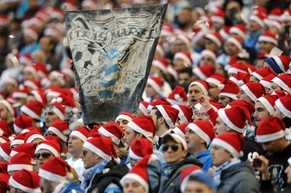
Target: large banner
x=112 y=53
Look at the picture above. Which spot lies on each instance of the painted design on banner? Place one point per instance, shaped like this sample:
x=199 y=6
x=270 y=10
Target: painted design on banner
x=112 y=52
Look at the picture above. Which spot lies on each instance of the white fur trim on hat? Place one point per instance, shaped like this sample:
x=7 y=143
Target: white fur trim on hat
x=19 y=95
x=4 y=155
x=257 y=19
x=47 y=147
x=29 y=112
x=228 y=122
x=268 y=39
x=58 y=76
x=33 y=137
x=8 y=106
x=16 y=142
x=166 y=116
x=159 y=65
x=237 y=31
x=208 y=53
x=213 y=81
x=125 y=117
x=33 y=34
x=106 y=133
x=143 y=109
x=154 y=85
x=270 y=137
x=97 y=151
x=214 y=38
x=199 y=132
x=183 y=57
x=58 y=133
x=226 y=146
x=279 y=63
x=232 y=96
x=282 y=84
x=266 y=84
x=266 y=104
x=132 y=155
x=79 y=135
x=217 y=19
x=181 y=114
x=17 y=185
x=205 y=92
x=138 y=129
x=289 y=161
x=246 y=89
x=13 y=167
x=51 y=176
x=58 y=112
x=136 y=177
x=13 y=153
x=256 y=75
x=199 y=73
x=282 y=108
x=235 y=42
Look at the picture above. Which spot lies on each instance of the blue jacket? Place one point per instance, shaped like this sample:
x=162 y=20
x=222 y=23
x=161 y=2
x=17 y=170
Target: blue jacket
x=71 y=187
x=205 y=158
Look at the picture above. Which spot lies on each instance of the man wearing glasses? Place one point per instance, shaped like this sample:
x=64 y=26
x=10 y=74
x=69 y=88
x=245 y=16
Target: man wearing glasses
x=174 y=149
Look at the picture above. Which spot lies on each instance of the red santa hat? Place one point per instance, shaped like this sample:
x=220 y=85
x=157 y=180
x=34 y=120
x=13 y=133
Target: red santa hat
x=5 y=129
x=240 y=78
x=215 y=37
x=268 y=37
x=3 y=20
x=203 y=129
x=224 y=32
x=143 y=125
x=181 y=129
x=101 y=146
x=50 y=145
x=284 y=105
x=239 y=29
x=25 y=59
x=259 y=18
x=18 y=139
x=22 y=122
x=241 y=67
x=270 y=129
x=52 y=31
x=266 y=81
x=199 y=32
x=31 y=32
x=283 y=81
x=186 y=173
x=157 y=83
x=158 y=101
x=208 y=53
x=28 y=148
x=9 y=106
x=216 y=79
x=279 y=61
x=58 y=109
x=275 y=14
x=177 y=138
x=178 y=96
x=185 y=56
x=237 y=41
x=286 y=16
x=139 y=173
x=27 y=181
x=161 y=63
x=171 y=70
x=124 y=116
x=229 y=89
x=61 y=77
x=203 y=72
x=55 y=169
x=268 y=101
x=39 y=96
x=254 y=90
x=81 y=132
x=112 y=130
x=21 y=92
x=218 y=17
x=33 y=109
x=61 y=129
x=5 y=151
x=182 y=36
x=185 y=112
x=32 y=84
x=261 y=73
x=20 y=161
x=235 y=118
x=231 y=142
x=139 y=148
x=160 y=50
x=143 y=107
x=202 y=84
x=32 y=135
x=169 y=113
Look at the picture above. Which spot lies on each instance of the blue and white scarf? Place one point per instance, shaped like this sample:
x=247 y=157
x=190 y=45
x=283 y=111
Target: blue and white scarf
x=230 y=164
x=89 y=173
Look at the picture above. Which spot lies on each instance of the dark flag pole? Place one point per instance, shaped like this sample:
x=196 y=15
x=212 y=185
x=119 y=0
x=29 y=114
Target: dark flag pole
x=112 y=52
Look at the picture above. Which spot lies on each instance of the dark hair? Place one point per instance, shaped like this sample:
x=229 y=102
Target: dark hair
x=186 y=70
x=159 y=115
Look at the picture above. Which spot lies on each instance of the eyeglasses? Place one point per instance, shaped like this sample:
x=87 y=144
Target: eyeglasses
x=174 y=147
x=44 y=155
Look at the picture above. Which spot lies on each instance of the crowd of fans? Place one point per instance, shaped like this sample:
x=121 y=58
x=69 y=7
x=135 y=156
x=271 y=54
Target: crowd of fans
x=215 y=115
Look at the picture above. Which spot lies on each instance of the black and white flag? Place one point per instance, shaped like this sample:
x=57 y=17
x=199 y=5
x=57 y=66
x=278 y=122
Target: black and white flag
x=112 y=53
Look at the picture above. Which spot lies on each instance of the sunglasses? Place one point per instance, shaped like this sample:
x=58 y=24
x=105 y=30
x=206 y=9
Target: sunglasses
x=44 y=155
x=174 y=147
